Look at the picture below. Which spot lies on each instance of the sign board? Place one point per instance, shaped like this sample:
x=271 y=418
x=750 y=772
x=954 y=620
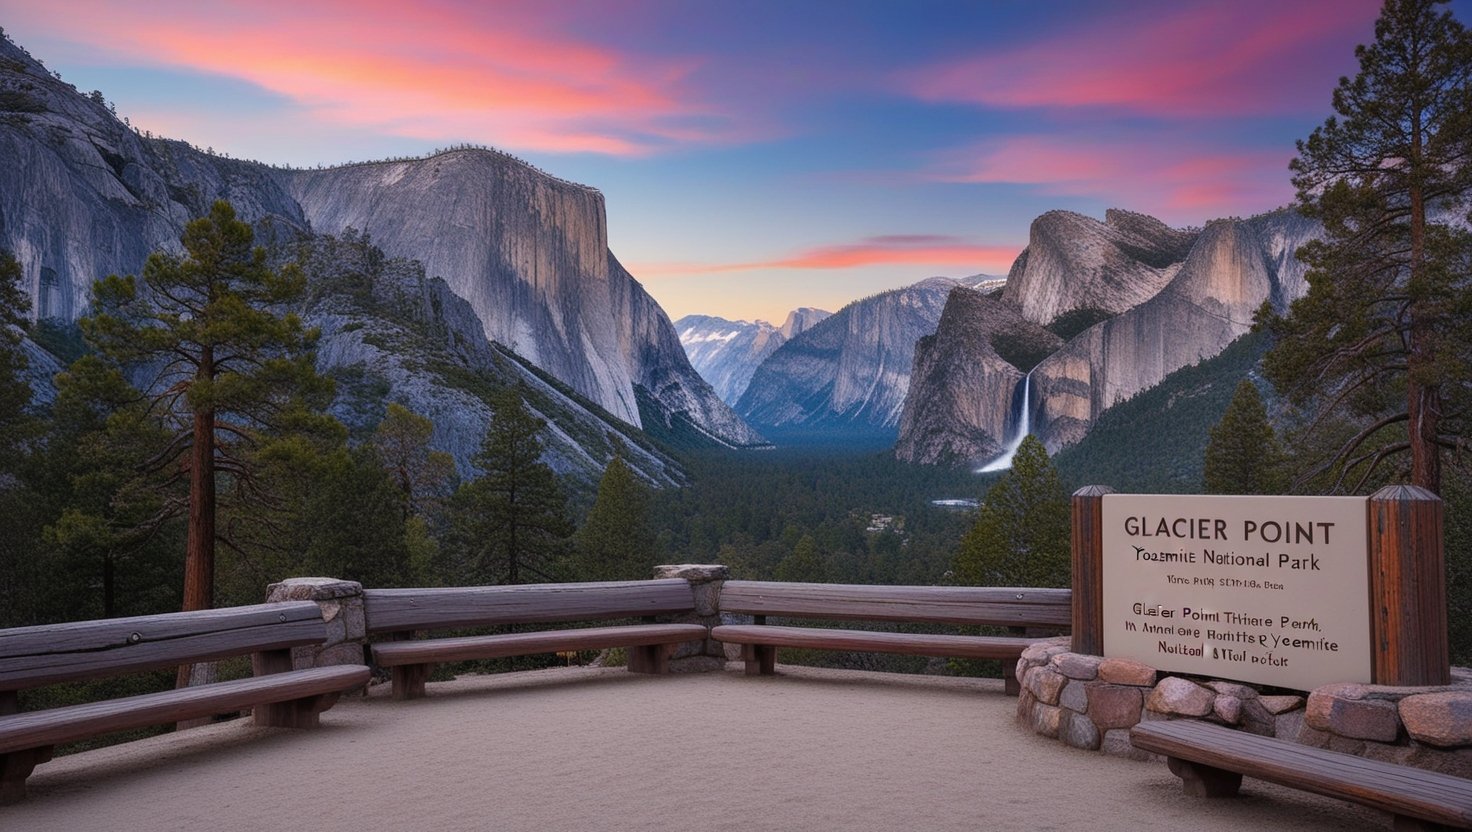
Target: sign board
x=1272 y=590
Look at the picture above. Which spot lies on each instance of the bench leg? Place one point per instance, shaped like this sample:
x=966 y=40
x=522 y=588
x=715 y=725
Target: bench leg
x=15 y=767
x=409 y=679
x=1198 y=780
x=761 y=659
x=295 y=713
x=1010 y=685
x=650 y=658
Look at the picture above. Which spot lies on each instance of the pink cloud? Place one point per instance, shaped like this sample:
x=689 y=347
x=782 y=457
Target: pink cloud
x=433 y=72
x=1179 y=178
x=895 y=249
x=1217 y=59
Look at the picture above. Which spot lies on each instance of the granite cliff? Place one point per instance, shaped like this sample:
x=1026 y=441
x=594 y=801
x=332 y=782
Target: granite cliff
x=727 y=353
x=851 y=371
x=1163 y=299
x=82 y=195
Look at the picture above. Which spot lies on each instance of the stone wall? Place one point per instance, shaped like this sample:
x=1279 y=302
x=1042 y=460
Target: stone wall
x=1091 y=702
x=342 y=608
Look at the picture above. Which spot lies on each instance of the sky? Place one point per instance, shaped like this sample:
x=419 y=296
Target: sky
x=755 y=156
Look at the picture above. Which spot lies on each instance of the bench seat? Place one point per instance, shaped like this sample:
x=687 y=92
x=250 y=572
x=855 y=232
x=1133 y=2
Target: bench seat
x=1211 y=759
x=760 y=643
x=410 y=661
x=292 y=699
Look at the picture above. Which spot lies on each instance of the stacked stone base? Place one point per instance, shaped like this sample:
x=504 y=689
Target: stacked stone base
x=1089 y=702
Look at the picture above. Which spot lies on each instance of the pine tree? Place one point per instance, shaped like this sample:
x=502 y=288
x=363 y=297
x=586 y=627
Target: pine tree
x=1021 y=533
x=234 y=367
x=1243 y=455
x=510 y=523
x=1385 y=330
x=16 y=425
x=804 y=565
x=422 y=475
x=616 y=541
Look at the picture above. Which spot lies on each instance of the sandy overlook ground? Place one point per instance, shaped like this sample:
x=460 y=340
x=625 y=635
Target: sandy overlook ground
x=595 y=749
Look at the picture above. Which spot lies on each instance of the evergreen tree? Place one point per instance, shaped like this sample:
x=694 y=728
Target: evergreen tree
x=233 y=368
x=422 y=475
x=1022 y=528
x=616 y=541
x=1385 y=330
x=511 y=523
x=16 y=424
x=804 y=565
x=1243 y=455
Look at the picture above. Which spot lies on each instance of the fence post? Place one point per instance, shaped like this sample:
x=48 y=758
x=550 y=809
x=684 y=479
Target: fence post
x=1408 y=627
x=1088 y=567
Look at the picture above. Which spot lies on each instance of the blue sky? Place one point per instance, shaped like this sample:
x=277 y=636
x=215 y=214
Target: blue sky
x=756 y=156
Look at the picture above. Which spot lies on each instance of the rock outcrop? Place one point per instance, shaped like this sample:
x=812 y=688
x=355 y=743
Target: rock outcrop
x=1167 y=298
x=852 y=370
x=83 y=196
x=960 y=405
x=727 y=353
x=1076 y=262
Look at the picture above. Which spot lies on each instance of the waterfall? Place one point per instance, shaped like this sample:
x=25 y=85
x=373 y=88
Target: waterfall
x=1024 y=425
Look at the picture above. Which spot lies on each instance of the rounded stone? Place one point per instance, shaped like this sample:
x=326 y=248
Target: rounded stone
x=1077 y=666
x=1126 y=672
x=1342 y=711
x=1045 y=684
x=693 y=572
x=1178 y=696
x=1047 y=720
x=1074 y=697
x=1079 y=732
x=1440 y=719
x=1276 y=705
x=1228 y=709
x=1114 y=706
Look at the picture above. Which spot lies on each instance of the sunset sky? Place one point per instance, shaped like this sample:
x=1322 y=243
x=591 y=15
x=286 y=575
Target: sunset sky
x=755 y=156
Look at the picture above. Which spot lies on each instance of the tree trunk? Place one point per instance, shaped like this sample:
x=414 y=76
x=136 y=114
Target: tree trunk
x=1423 y=405
x=199 y=553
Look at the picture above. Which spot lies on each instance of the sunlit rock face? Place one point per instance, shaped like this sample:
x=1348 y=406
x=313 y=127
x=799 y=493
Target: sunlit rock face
x=852 y=370
x=1168 y=298
x=727 y=353
x=960 y=402
x=83 y=196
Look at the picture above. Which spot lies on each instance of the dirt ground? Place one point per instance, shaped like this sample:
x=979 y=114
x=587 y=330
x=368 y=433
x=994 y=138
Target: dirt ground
x=603 y=749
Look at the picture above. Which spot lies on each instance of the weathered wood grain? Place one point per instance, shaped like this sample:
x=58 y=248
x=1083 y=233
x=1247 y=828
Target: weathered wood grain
x=522 y=644
x=31 y=656
x=914 y=644
x=1087 y=545
x=390 y=610
x=1403 y=791
x=34 y=729
x=998 y=606
x=1408 y=624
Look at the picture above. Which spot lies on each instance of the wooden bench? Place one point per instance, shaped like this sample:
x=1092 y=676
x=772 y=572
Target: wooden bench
x=398 y=612
x=280 y=696
x=1211 y=759
x=1016 y=608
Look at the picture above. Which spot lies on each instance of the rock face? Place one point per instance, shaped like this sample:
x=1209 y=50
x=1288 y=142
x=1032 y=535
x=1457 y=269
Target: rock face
x=852 y=370
x=1207 y=305
x=1167 y=298
x=1076 y=262
x=959 y=403
x=82 y=196
x=727 y=353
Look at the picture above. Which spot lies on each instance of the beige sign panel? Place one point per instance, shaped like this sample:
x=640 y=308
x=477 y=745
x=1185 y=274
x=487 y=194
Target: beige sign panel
x=1259 y=589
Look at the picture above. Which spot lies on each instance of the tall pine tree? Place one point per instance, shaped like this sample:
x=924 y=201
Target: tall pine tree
x=232 y=366
x=617 y=541
x=510 y=524
x=1021 y=533
x=1243 y=455
x=1385 y=330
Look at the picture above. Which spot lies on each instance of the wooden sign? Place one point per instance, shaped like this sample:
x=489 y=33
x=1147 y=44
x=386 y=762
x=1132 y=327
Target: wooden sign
x=1272 y=590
